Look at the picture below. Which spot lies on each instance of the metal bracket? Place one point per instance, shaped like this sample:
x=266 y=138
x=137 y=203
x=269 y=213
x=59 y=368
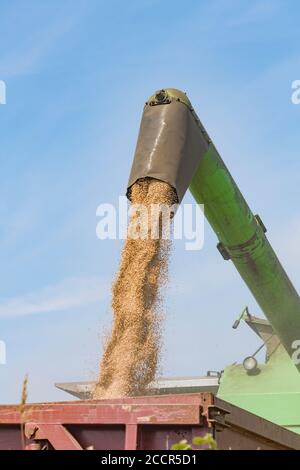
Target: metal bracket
x=56 y=434
x=243 y=316
x=217 y=416
x=160 y=97
x=260 y=223
x=223 y=251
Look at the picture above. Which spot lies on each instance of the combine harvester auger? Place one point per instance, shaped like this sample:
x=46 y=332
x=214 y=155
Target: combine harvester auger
x=173 y=146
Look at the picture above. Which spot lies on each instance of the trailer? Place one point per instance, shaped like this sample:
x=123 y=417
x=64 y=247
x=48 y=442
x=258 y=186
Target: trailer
x=139 y=423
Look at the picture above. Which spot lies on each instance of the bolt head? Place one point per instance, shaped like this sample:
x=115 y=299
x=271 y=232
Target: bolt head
x=161 y=96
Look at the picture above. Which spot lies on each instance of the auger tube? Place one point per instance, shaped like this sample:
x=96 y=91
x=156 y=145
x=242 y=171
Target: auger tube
x=173 y=146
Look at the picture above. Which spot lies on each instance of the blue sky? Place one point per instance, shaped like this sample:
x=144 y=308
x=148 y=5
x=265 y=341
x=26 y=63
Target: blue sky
x=77 y=74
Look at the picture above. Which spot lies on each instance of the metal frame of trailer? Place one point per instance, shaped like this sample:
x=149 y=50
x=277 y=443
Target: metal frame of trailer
x=151 y=422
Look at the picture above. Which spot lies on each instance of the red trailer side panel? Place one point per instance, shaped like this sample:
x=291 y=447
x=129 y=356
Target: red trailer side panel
x=152 y=422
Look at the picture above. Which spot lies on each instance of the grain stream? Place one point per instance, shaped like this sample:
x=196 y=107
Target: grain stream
x=132 y=350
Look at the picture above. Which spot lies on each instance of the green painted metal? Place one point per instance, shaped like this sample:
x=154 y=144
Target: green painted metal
x=273 y=392
x=245 y=242
x=171 y=93
x=242 y=239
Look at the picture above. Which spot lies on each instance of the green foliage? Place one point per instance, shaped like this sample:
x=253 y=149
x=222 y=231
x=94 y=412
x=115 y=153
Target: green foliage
x=182 y=445
x=206 y=443
x=207 y=440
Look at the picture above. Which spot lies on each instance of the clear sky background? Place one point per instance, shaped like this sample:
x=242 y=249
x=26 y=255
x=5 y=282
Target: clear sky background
x=78 y=73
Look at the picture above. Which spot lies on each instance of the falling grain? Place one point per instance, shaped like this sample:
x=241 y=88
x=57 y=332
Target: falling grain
x=132 y=350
